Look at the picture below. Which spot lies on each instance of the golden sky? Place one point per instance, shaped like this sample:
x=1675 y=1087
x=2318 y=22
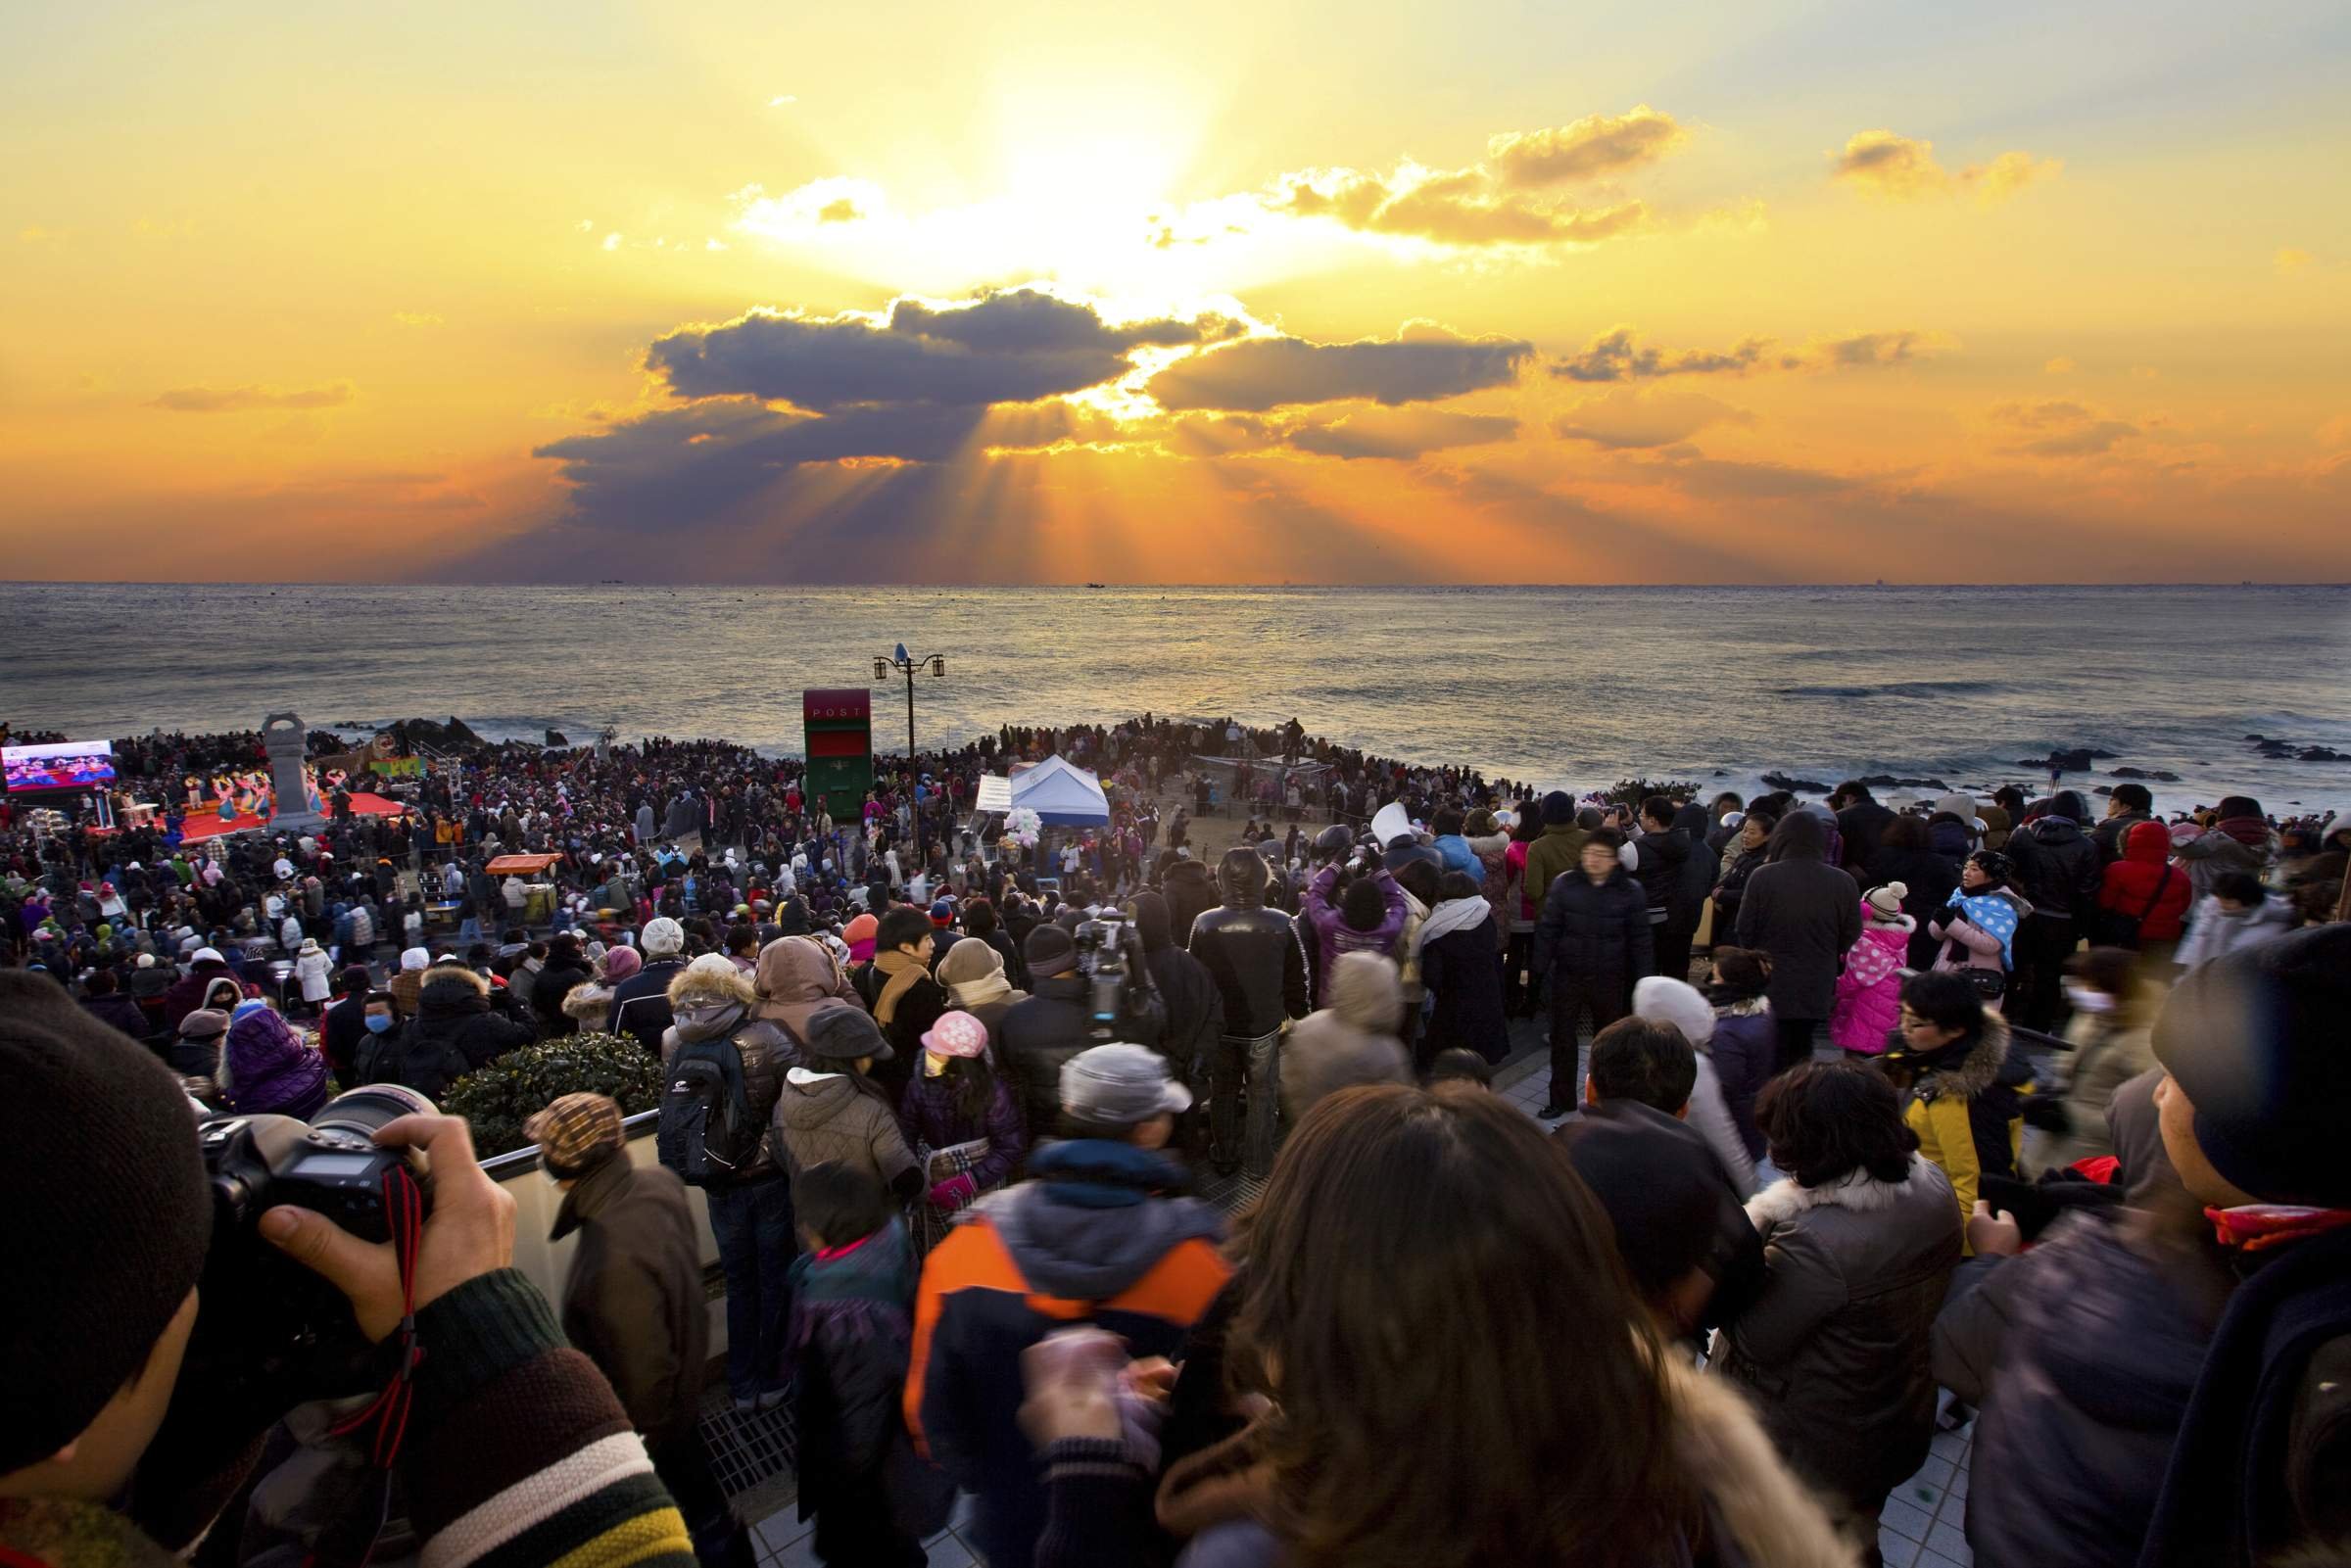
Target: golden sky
x=1208 y=292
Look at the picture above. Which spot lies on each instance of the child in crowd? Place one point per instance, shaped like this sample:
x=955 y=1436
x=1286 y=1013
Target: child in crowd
x=1869 y=992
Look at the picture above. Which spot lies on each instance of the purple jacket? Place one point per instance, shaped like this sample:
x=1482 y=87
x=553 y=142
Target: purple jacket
x=927 y=1115
x=271 y=1070
x=1333 y=935
x=1745 y=1043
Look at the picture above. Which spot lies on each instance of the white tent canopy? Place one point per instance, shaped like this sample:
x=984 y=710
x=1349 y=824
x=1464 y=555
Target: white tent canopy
x=1061 y=796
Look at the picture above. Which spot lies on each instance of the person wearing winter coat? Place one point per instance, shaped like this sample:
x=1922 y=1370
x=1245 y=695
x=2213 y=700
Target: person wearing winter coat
x=2141 y=894
x=2136 y=1363
x=1662 y=866
x=266 y=1068
x=1977 y=928
x=830 y=1109
x=960 y=1106
x=2239 y=838
x=1964 y=1088
x=1741 y=858
x=905 y=998
x=1592 y=943
x=1869 y=990
x=454 y=1032
x=1351 y=1041
x=1100 y=1231
x=565 y=968
x=590 y=1004
x=973 y=974
x=641 y=1003
x=1460 y=969
x=2059 y=871
x=1805 y=914
x=1401 y=1438
x=1190 y=888
x=1556 y=851
x=751 y=1214
x=2239 y=913
x=103 y=1001
x=1194 y=1005
x=852 y=1335
x=2110 y=1036
x=632 y=1302
x=1367 y=917
x=1859 y=1240
x=1745 y=1046
x=187 y=993
x=1907 y=856
x=1661 y=1000
x=312 y=966
x=794 y=977
x=2130 y=805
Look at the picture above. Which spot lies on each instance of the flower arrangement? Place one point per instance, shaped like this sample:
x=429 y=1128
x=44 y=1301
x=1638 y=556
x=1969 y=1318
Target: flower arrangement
x=1022 y=826
x=498 y=1098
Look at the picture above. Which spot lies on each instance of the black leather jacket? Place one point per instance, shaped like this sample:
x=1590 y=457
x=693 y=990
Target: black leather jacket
x=1254 y=954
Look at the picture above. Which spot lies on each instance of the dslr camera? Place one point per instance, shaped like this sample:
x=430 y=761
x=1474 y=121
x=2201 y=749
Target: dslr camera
x=268 y=1327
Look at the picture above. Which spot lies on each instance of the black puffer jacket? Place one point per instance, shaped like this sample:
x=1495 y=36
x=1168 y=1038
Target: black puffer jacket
x=1039 y=1035
x=1595 y=933
x=1662 y=859
x=2057 y=868
x=454 y=1032
x=555 y=980
x=1463 y=971
x=707 y=1005
x=1835 y=1349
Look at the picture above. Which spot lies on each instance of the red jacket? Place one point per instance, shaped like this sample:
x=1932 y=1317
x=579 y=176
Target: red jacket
x=2130 y=882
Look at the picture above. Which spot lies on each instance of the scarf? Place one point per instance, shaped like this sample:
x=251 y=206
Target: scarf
x=2257 y=1227
x=1454 y=914
x=990 y=987
x=2251 y=831
x=903 y=970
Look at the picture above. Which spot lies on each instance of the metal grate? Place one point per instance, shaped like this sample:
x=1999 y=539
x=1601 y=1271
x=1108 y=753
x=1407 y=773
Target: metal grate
x=746 y=1451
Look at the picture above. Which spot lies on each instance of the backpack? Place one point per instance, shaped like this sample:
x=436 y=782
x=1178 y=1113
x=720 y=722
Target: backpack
x=705 y=1131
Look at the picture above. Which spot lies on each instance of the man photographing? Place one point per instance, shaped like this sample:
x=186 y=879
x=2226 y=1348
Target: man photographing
x=102 y=1303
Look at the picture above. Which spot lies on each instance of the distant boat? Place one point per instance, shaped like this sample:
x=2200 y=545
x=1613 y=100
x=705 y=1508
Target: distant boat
x=1093 y=584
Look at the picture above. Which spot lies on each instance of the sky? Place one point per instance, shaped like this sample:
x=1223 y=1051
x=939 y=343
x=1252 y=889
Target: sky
x=1212 y=292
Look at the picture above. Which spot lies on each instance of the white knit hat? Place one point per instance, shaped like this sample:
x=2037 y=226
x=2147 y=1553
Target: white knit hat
x=414 y=960
x=661 y=938
x=1886 y=903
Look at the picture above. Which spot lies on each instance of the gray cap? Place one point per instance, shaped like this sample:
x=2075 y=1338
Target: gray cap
x=1120 y=1084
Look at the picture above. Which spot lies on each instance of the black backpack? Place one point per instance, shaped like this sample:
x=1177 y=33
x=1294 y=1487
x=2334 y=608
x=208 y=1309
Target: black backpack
x=706 y=1133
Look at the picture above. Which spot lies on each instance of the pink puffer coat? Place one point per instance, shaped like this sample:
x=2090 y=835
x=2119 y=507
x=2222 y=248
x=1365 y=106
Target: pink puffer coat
x=1869 y=993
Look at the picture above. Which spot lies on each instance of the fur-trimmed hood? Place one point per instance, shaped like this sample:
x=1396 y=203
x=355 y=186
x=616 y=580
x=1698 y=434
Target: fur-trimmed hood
x=1960 y=1067
x=701 y=984
x=1856 y=1191
x=1769 y=1516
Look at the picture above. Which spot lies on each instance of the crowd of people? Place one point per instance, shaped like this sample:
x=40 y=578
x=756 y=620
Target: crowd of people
x=1862 y=1118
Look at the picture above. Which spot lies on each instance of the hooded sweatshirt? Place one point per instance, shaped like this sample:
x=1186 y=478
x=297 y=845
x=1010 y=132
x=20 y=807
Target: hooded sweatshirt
x=1093 y=1236
x=2145 y=886
x=1351 y=1041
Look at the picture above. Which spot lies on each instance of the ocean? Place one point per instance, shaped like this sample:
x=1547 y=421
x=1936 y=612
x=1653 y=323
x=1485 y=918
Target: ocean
x=1562 y=686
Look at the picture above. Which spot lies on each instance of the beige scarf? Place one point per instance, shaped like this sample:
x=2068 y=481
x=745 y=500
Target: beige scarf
x=990 y=987
x=903 y=970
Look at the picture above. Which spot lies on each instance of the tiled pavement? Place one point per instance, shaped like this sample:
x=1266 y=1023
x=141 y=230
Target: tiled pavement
x=1921 y=1526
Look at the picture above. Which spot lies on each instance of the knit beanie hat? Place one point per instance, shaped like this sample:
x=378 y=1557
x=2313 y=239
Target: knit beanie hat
x=98 y=1266
x=971 y=959
x=662 y=938
x=620 y=963
x=1049 y=950
x=1557 y=809
x=1886 y=903
x=2256 y=1040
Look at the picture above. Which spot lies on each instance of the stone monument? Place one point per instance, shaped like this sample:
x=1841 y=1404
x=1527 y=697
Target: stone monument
x=286 y=737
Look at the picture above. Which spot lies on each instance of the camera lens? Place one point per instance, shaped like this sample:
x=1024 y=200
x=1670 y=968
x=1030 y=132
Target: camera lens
x=365 y=1111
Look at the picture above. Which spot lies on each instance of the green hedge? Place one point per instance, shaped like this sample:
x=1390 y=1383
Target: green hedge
x=498 y=1098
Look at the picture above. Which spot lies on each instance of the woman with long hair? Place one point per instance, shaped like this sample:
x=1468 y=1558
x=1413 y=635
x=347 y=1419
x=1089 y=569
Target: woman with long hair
x=1436 y=1325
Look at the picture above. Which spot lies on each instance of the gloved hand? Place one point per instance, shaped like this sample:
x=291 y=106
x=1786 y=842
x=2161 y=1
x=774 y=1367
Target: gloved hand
x=954 y=1192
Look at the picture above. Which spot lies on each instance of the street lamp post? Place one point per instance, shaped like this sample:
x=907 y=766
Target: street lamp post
x=901 y=662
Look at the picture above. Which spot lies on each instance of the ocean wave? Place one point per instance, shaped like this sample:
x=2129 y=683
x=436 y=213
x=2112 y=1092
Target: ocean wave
x=1922 y=691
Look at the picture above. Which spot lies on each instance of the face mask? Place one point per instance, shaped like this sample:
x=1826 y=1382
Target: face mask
x=2087 y=1000
x=378 y=1022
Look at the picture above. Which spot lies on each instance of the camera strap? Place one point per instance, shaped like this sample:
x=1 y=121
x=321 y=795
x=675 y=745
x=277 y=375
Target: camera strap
x=388 y=1412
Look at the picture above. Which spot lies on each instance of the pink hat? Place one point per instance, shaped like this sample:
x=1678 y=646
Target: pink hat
x=620 y=963
x=957 y=1034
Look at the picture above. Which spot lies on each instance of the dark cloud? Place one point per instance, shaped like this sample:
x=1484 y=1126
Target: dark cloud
x=1406 y=432
x=1616 y=357
x=1420 y=365
x=1011 y=347
x=1880 y=348
x=239 y=399
x=1594 y=145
